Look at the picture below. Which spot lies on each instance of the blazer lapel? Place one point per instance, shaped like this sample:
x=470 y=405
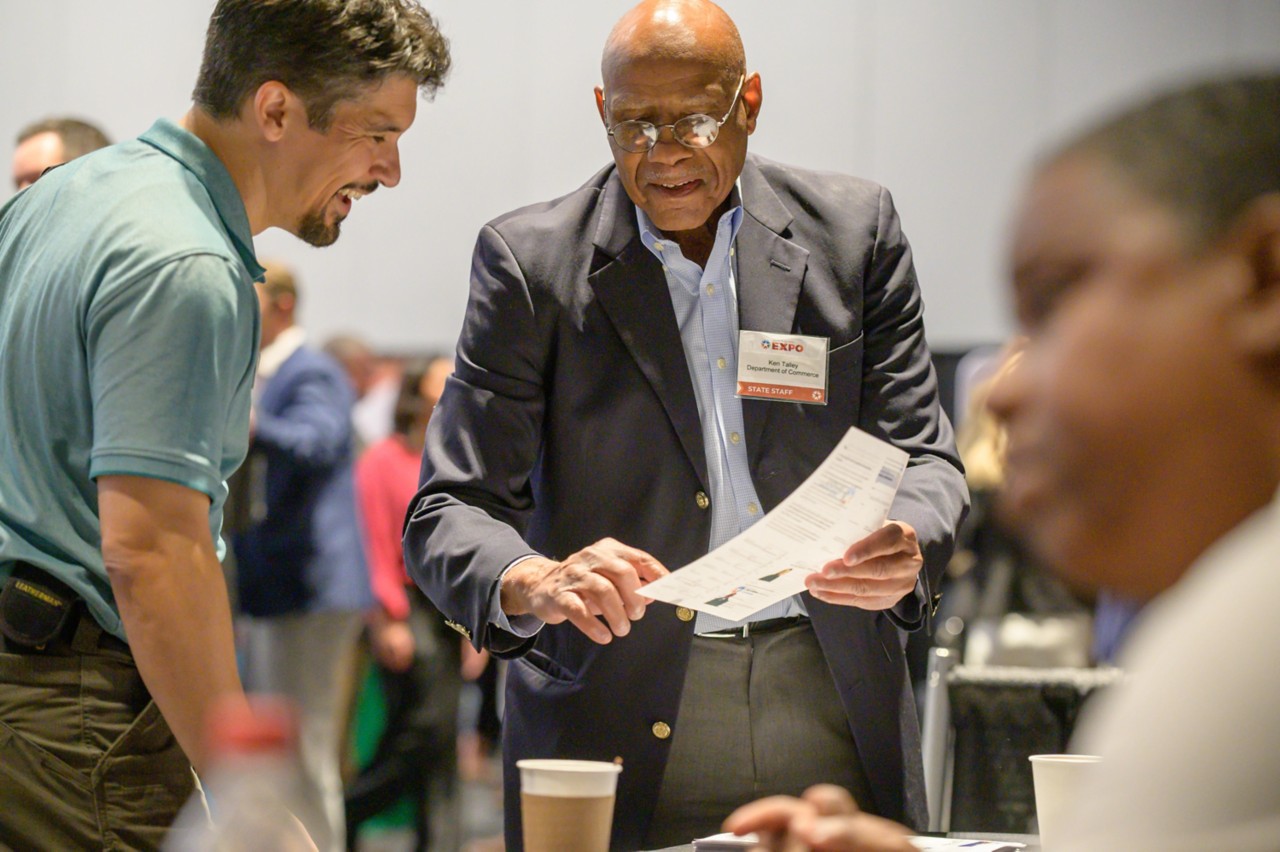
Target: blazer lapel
x=633 y=293
x=771 y=271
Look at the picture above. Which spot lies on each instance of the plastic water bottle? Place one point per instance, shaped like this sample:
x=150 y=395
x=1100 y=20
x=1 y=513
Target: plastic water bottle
x=252 y=786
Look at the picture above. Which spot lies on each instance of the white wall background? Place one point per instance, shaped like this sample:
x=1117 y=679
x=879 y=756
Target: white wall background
x=946 y=102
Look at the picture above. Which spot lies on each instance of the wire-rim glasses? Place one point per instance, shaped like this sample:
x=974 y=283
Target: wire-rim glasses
x=693 y=131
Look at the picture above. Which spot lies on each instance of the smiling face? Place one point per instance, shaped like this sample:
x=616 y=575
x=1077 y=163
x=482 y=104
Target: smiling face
x=680 y=189
x=327 y=171
x=1133 y=415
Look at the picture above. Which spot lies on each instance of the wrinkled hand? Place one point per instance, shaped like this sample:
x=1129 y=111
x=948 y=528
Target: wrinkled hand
x=826 y=819
x=599 y=580
x=391 y=643
x=874 y=573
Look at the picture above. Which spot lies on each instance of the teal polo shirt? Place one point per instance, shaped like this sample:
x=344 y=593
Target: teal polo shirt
x=128 y=340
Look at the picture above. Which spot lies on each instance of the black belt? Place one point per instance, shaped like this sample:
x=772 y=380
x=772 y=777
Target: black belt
x=753 y=628
x=76 y=633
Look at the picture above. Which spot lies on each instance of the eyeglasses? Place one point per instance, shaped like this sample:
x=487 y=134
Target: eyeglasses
x=692 y=131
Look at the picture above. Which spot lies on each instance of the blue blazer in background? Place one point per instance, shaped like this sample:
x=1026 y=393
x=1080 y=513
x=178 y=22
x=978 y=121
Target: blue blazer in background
x=303 y=551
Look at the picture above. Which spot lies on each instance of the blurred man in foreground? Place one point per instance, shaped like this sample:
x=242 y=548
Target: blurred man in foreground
x=50 y=143
x=1144 y=457
x=128 y=341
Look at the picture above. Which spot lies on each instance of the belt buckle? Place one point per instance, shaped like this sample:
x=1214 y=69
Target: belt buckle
x=730 y=632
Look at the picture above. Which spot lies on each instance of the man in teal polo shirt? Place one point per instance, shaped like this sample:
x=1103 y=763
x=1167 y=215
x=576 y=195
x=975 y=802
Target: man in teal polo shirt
x=128 y=339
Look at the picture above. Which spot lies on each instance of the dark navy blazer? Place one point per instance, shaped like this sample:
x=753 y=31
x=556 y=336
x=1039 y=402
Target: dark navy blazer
x=572 y=417
x=306 y=554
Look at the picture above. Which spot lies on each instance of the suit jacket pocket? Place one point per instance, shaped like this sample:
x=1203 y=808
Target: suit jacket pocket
x=547 y=668
x=846 y=357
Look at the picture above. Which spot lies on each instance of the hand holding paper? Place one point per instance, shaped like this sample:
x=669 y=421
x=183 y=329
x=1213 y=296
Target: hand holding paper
x=846 y=499
x=875 y=573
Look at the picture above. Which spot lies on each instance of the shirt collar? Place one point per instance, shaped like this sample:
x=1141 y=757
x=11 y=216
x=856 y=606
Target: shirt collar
x=278 y=351
x=656 y=242
x=197 y=158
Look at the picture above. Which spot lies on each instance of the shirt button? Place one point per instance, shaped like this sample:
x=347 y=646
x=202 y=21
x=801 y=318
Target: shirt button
x=734 y=437
x=658 y=246
x=684 y=613
x=711 y=289
x=664 y=267
x=702 y=499
x=752 y=508
x=731 y=251
x=720 y=362
x=661 y=730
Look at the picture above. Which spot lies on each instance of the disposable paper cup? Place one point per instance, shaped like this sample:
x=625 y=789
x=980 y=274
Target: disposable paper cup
x=1058 y=778
x=567 y=804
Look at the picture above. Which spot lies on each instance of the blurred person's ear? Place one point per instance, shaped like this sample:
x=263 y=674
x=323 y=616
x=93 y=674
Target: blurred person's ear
x=1256 y=236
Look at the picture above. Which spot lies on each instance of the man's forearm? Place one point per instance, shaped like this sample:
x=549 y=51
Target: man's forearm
x=173 y=602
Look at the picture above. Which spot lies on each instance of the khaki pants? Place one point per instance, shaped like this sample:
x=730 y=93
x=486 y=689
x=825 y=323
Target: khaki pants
x=86 y=759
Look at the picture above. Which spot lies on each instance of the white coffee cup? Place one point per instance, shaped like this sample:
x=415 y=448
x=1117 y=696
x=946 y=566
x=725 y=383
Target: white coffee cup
x=567 y=804
x=1058 y=779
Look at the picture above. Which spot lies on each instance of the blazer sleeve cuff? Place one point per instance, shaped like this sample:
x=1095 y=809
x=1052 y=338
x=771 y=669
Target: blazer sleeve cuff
x=510 y=636
x=913 y=611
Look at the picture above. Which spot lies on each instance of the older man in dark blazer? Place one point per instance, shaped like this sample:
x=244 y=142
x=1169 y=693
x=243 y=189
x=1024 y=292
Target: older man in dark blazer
x=591 y=439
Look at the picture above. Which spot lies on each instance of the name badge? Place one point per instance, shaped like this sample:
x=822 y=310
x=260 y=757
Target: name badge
x=784 y=367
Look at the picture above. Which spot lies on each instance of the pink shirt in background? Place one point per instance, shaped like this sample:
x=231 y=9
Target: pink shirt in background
x=386 y=480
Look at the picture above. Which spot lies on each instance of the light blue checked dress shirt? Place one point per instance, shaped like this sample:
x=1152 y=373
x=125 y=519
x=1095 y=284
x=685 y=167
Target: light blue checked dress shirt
x=706 y=307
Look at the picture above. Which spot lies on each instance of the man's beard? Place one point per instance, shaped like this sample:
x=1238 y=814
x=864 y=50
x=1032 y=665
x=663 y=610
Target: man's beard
x=314 y=230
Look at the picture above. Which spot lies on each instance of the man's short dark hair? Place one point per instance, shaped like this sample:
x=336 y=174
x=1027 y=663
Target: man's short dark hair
x=78 y=137
x=1207 y=150
x=325 y=51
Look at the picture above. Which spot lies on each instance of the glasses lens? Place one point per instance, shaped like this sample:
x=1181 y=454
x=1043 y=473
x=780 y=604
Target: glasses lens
x=696 y=131
x=635 y=136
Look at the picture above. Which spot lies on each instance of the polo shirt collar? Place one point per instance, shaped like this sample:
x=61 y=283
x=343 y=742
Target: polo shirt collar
x=197 y=158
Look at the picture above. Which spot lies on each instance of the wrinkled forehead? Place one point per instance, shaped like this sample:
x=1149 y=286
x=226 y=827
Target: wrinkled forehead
x=640 y=83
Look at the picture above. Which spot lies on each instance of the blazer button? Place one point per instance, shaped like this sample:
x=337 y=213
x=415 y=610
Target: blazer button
x=702 y=499
x=684 y=613
x=661 y=730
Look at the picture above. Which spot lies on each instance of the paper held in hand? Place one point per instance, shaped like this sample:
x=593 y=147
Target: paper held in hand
x=843 y=501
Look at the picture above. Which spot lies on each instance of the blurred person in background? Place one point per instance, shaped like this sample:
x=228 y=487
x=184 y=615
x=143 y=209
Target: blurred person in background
x=1144 y=457
x=357 y=358
x=1011 y=609
x=419 y=657
x=301 y=576
x=52 y=142
x=128 y=342
x=377 y=385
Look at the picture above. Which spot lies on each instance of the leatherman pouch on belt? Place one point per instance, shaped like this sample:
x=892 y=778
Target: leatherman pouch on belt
x=34 y=607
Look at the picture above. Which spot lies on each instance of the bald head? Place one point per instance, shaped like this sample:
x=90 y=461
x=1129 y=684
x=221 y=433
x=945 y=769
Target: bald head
x=686 y=30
